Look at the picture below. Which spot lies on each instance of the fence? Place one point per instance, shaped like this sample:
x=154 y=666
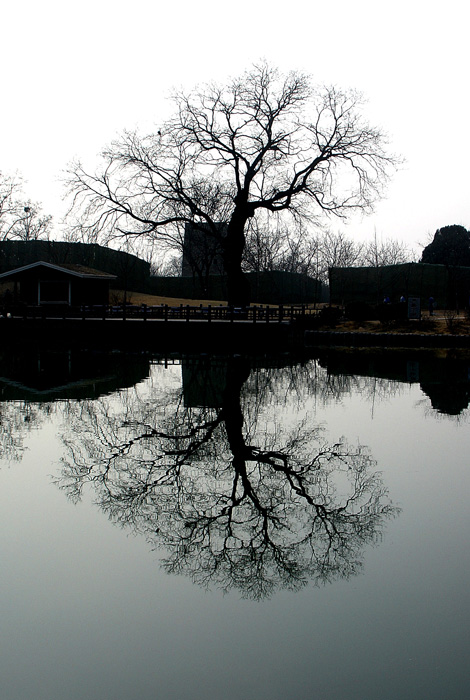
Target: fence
x=184 y=312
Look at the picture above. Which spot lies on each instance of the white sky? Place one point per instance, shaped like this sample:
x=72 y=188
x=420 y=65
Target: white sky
x=74 y=75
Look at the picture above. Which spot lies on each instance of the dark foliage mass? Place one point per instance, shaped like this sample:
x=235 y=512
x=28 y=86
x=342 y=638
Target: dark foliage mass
x=450 y=246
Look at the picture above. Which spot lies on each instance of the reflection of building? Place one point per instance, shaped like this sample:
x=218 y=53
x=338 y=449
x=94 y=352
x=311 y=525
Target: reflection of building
x=47 y=375
x=204 y=382
x=45 y=283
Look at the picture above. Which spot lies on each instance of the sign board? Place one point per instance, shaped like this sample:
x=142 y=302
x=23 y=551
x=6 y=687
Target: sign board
x=414 y=307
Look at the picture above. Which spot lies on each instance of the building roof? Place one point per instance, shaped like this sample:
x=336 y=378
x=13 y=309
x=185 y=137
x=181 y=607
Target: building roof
x=73 y=270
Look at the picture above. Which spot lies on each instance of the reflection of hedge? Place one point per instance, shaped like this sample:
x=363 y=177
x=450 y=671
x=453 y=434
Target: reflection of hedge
x=448 y=286
x=265 y=288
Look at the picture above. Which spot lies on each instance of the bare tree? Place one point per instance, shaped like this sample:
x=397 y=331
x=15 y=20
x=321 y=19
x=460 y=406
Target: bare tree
x=337 y=250
x=265 y=142
x=20 y=219
x=379 y=253
x=10 y=188
x=287 y=248
x=263 y=247
x=169 y=267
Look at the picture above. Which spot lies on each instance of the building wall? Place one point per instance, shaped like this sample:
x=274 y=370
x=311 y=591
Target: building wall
x=202 y=253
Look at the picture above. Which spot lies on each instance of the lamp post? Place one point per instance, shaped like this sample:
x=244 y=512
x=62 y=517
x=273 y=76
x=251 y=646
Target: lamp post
x=27 y=219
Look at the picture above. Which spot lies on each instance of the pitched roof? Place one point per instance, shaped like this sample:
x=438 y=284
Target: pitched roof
x=74 y=270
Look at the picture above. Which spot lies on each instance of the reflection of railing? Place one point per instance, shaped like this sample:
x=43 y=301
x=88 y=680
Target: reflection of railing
x=185 y=312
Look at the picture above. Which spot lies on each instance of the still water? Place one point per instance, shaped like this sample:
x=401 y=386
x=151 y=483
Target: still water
x=226 y=528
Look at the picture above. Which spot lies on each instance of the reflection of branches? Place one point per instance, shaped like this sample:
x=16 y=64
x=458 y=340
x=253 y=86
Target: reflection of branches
x=281 y=522
x=17 y=419
x=336 y=386
x=254 y=505
x=298 y=382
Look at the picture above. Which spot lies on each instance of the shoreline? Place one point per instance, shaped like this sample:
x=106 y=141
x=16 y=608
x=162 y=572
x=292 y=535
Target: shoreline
x=201 y=335
x=384 y=339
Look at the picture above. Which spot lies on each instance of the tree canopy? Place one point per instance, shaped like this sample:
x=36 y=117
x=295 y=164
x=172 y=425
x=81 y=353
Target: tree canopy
x=450 y=246
x=265 y=143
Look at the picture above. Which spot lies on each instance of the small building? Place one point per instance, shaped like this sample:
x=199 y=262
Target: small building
x=42 y=283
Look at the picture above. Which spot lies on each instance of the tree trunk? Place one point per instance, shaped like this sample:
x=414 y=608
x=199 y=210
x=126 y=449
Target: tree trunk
x=238 y=371
x=238 y=288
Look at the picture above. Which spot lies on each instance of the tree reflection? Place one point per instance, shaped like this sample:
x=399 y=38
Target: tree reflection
x=17 y=420
x=244 y=495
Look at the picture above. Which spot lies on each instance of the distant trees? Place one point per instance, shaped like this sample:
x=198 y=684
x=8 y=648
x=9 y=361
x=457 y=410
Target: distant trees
x=450 y=246
x=170 y=267
x=265 y=143
x=313 y=255
x=20 y=218
x=290 y=249
x=297 y=250
x=379 y=253
x=337 y=250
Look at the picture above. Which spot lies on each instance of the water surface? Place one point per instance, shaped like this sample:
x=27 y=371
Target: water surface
x=234 y=527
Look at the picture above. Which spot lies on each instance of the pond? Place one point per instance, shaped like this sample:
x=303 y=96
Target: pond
x=195 y=527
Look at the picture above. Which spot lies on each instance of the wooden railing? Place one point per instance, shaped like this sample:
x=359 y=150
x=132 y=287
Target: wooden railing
x=209 y=313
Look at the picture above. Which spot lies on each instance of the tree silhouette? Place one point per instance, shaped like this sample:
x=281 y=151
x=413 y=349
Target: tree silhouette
x=265 y=143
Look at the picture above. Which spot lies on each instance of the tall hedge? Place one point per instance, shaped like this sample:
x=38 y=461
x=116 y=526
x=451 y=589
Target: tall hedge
x=450 y=286
x=132 y=272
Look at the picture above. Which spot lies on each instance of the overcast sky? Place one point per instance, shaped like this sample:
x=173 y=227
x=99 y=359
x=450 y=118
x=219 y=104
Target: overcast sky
x=76 y=74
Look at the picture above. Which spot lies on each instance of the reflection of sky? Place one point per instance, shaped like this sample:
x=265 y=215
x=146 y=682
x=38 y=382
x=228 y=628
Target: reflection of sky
x=87 y=613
